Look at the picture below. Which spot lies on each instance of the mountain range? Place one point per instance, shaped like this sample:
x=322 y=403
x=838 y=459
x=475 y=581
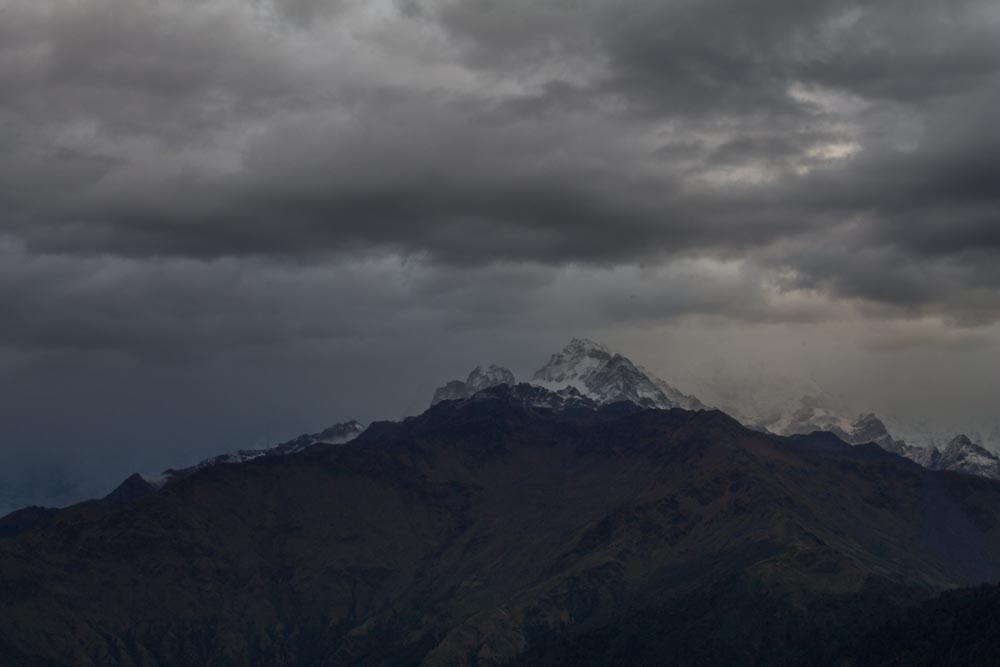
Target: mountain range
x=498 y=529
x=595 y=515
x=773 y=405
x=606 y=377
x=584 y=369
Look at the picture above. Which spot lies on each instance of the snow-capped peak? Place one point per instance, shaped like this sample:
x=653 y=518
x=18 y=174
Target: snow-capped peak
x=479 y=379
x=963 y=455
x=608 y=377
x=960 y=441
x=574 y=365
x=585 y=346
x=483 y=378
x=588 y=371
x=587 y=367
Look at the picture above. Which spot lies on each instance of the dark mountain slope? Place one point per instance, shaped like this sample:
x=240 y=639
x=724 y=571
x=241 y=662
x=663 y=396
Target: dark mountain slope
x=956 y=629
x=133 y=488
x=487 y=531
x=26 y=519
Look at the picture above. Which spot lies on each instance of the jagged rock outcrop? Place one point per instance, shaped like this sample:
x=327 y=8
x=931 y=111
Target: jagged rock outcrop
x=962 y=455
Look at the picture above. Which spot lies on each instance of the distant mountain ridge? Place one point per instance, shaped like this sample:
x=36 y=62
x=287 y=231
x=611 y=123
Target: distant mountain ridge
x=338 y=434
x=596 y=372
x=585 y=374
x=589 y=368
x=960 y=454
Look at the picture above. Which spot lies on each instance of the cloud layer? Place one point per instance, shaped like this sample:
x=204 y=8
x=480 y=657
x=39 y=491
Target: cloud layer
x=469 y=132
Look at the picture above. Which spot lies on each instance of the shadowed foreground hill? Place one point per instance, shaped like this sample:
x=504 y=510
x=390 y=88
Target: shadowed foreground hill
x=489 y=532
x=956 y=629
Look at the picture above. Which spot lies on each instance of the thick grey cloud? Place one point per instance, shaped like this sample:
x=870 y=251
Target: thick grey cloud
x=471 y=131
x=224 y=185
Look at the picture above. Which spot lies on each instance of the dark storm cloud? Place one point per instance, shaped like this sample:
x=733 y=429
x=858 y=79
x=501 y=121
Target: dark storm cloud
x=841 y=142
x=778 y=79
x=178 y=311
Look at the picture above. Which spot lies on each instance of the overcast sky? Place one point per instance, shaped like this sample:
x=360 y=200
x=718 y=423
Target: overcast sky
x=224 y=222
